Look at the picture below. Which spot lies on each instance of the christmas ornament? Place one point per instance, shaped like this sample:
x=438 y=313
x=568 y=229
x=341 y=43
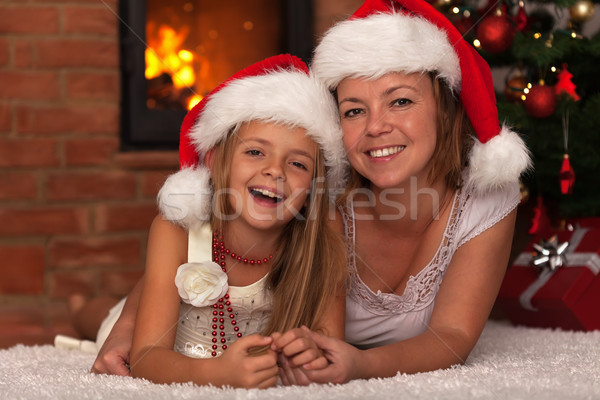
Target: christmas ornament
x=540 y=102
x=582 y=11
x=515 y=85
x=540 y=221
x=520 y=18
x=565 y=85
x=495 y=33
x=566 y=176
x=550 y=254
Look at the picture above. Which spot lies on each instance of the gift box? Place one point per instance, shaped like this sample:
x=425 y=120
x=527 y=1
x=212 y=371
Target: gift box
x=555 y=282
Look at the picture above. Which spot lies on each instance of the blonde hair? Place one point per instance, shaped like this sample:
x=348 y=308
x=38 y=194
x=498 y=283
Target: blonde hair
x=454 y=139
x=310 y=261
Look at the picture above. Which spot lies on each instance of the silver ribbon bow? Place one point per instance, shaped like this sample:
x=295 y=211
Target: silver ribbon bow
x=550 y=254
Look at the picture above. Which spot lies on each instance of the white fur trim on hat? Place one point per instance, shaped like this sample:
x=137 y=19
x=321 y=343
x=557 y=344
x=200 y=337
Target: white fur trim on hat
x=288 y=97
x=500 y=160
x=381 y=43
x=186 y=197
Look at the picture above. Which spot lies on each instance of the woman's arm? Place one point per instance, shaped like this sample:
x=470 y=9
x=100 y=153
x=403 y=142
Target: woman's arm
x=152 y=354
x=462 y=307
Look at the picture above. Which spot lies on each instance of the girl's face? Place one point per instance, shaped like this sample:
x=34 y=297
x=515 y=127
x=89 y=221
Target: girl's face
x=271 y=173
x=389 y=127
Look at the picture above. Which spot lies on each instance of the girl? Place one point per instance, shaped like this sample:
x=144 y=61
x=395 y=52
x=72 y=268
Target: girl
x=242 y=250
x=430 y=205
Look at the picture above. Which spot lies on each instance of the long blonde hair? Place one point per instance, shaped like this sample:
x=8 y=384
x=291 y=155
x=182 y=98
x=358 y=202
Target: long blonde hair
x=310 y=260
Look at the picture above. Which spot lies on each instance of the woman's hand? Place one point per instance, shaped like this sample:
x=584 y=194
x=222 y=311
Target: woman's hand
x=299 y=348
x=343 y=360
x=113 y=357
x=296 y=349
x=242 y=369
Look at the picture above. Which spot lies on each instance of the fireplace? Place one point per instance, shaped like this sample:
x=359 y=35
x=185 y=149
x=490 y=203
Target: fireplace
x=175 y=52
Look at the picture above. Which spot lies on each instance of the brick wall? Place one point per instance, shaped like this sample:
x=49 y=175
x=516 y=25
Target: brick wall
x=74 y=210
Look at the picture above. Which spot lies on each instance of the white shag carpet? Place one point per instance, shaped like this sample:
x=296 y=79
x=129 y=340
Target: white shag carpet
x=507 y=363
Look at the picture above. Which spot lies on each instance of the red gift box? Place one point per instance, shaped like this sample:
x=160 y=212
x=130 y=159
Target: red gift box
x=567 y=296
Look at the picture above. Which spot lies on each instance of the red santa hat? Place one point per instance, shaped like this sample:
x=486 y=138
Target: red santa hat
x=385 y=36
x=278 y=89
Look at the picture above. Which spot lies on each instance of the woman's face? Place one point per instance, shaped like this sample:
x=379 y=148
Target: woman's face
x=389 y=127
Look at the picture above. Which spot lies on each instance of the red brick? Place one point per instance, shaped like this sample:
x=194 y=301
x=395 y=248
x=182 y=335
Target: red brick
x=72 y=253
x=90 y=151
x=120 y=218
x=66 y=283
x=17 y=186
x=4 y=52
x=77 y=53
x=94 y=86
x=22 y=269
x=74 y=119
x=148 y=160
x=96 y=20
x=29 y=85
x=119 y=284
x=91 y=186
x=22 y=324
x=107 y=3
x=28 y=153
x=23 y=54
x=153 y=181
x=28 y=20
x=5 y=118
x=43 y=221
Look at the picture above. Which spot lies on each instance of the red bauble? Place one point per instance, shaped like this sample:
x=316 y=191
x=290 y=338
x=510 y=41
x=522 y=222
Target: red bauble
x=495 y=33
x=540 y=101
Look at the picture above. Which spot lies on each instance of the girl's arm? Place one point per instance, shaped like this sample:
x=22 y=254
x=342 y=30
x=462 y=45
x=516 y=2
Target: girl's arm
x=113 y=357
x=462 y=307
x=152 y=354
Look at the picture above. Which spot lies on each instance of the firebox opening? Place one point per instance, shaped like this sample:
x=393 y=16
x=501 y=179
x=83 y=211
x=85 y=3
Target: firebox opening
x=176 y=52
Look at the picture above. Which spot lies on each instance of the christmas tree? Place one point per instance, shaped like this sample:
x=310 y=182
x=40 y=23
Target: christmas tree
x=550 y=92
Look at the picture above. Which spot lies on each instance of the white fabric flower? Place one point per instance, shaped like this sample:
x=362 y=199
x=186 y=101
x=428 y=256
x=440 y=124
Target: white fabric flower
x=201 y=284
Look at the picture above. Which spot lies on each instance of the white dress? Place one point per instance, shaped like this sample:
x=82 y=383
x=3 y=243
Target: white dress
x=376 y=319
x=251 y=304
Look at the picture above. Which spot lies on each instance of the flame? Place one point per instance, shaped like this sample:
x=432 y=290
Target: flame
x=165 y=55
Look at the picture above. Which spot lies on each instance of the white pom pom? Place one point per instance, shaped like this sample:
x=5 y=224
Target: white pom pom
x=499 y=161
x=186 y=197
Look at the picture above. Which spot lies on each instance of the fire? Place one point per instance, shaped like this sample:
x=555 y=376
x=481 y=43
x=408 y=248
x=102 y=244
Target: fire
x=164 y=54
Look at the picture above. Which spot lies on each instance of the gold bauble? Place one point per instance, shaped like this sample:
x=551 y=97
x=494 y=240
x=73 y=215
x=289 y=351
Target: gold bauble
x=582 y=10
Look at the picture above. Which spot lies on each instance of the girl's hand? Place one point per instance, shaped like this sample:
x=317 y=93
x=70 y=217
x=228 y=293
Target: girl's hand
x=243 y=370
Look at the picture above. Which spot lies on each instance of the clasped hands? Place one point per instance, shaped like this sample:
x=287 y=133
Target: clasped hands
x=297 y=355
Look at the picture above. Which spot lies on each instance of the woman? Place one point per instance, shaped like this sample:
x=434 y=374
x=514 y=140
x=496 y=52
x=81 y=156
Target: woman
x=430 y=207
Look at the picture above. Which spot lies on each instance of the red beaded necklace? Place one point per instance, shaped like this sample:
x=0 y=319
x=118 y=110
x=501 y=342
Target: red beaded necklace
x=218 y=325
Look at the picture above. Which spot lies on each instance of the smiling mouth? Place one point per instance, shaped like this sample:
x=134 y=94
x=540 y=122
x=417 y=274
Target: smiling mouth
x=265 y=194
x=388 y=151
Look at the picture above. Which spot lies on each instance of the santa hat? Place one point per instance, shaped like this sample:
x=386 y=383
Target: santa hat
x=278 y=89
x=409 y=36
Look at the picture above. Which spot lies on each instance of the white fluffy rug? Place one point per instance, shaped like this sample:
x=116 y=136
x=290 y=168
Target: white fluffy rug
x=507 y=363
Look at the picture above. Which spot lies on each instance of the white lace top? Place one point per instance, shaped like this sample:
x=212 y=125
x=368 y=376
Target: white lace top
x=251 y=304
x=376 y=319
